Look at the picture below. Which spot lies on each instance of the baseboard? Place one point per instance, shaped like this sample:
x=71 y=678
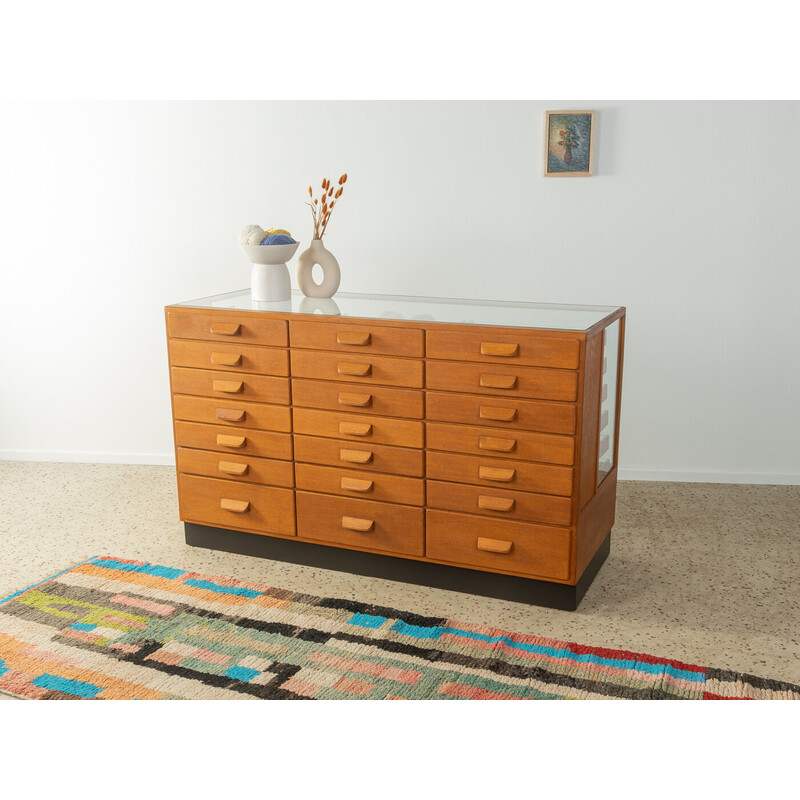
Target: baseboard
x=168 y=459
x=72 y=457
x=767 y=478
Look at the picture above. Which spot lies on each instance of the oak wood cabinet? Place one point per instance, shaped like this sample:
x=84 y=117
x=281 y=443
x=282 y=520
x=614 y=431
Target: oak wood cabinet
x=465 y=444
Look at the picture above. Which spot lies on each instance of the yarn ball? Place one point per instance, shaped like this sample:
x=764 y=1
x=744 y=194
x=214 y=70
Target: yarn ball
x=252 y=234
x=278 y=238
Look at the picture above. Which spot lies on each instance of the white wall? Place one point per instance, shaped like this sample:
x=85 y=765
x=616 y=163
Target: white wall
x=111 y=211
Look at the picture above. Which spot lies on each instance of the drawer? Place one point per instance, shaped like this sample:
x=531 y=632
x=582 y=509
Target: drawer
x=363 y=524
x=346 y=397
x=229 y=357
x=531 y=415
x=504 y=347
x=247 y=469
x=520 y=547
x=368 y=338
x=232 y=412
x=261 y=388
x=496 y=442
x=493 y=501
x=358 y=427
x=262 y=509
x=362 y=456
x=248 y=328
x=366 y=485
x=525 y=476
x=234 y=441
x=364 y=369
x=509 y=381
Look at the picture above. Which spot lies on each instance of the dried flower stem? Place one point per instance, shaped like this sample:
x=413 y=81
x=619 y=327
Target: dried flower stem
x=321 y=203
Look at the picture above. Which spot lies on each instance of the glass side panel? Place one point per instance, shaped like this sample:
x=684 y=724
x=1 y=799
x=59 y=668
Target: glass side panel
x=608 y=402
x=421 y=309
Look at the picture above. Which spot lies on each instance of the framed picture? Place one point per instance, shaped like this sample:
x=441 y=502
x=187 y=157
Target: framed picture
x=569 y=143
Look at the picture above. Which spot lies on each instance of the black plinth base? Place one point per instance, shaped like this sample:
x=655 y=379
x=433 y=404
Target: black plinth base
x=440 y=576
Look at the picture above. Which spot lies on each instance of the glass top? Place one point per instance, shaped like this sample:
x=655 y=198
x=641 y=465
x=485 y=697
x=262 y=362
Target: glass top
x=421 y=309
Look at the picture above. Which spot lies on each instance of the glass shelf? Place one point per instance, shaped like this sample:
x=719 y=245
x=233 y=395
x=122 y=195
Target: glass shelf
x=608 y=401
x=421 y=309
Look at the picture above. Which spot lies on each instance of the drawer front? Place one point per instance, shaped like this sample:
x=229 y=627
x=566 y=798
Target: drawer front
x=261 y=388
x=360 y=523
x=248 y=328
x=522 y=547
x=228 y=504
x=247 y=469
x=510 y=381
x=359 y=484
x=525 y=476
x=499 y=503
x=364 y=369
x=496 y=442
x=356 y=339
x=499 y=346
x=229 y=357
x=232 y=412
x=359 y=399
x=377 y=457
x=530 y=415
x=358 y=427
x=233 y=441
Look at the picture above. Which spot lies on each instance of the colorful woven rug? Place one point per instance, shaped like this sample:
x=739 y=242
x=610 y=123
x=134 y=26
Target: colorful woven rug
x=110 y=628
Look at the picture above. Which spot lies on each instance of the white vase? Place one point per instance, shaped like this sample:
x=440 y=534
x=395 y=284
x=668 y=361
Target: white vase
x=331 y=275
x=269 y=283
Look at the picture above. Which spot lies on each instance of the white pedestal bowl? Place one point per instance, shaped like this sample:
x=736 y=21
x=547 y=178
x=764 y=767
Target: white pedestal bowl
x=269 y=278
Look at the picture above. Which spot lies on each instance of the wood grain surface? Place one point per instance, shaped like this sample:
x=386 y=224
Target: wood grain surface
x=394 y=528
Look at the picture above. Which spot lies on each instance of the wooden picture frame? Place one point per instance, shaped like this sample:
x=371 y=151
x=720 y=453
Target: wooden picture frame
x=569 y=144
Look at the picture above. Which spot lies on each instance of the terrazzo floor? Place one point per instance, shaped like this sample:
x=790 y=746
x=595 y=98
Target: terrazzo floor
x=704 y=573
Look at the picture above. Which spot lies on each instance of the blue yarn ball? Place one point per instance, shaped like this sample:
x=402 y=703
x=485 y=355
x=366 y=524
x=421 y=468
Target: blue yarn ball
x=278 y=238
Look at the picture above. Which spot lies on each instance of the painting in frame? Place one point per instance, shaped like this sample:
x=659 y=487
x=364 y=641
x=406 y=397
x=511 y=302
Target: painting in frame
x=569 y=143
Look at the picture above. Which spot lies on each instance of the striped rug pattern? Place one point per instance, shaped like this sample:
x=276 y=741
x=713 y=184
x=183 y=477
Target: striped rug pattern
x=111 y=628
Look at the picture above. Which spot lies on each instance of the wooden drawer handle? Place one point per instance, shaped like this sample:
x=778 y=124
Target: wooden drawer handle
x=496 y=474
x=358 y=370
x=360 y=400
x=357 y=524
x=353 y=337
x=355 y=428
x=499 y=381
x=225 y=328
x=230 y=414
x=498 y=414
x=495 y=503
x=232 y=467
x=232 y=387
x=497 y=444
x=356 y=456
x=231 y=441
x=356 y=485
x=238 y=506
x=499 y=349
x=494 y=545
x=227 y=359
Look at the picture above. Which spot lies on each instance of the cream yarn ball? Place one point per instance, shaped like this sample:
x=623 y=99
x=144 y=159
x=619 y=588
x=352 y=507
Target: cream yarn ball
x=252 y=234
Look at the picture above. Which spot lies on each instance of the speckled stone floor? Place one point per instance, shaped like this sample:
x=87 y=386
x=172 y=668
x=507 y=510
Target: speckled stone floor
x=704 y=573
